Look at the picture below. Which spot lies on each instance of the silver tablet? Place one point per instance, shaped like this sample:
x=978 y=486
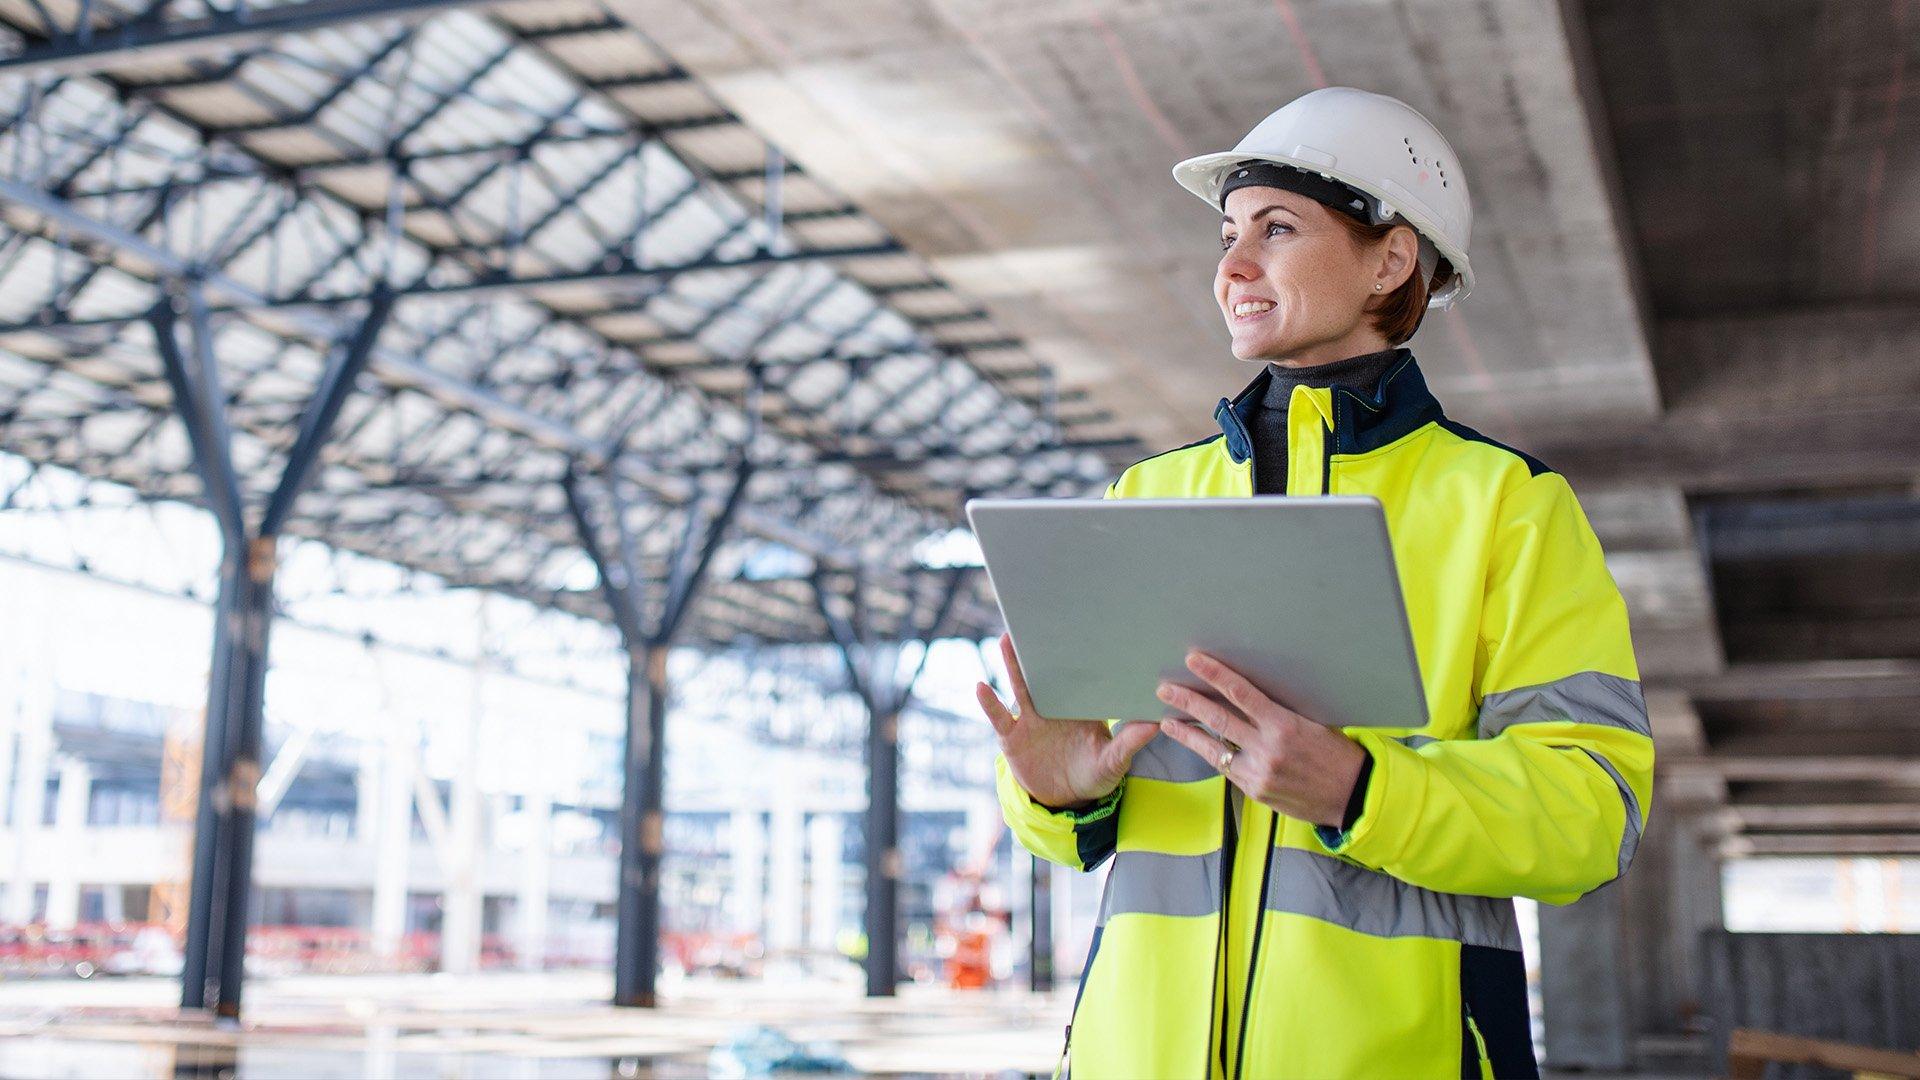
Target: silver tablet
x=1104 y=598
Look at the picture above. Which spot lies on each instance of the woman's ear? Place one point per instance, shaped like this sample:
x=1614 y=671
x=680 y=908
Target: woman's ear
x=1399 y=259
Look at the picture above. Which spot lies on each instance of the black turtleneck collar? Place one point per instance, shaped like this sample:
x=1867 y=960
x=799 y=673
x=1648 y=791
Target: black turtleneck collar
x=1360 y=373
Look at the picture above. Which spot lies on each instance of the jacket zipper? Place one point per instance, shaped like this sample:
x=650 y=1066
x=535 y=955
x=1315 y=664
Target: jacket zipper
x=1217 y=1039
x=1479 y=1043
x=1217 y=1042
x=1328 y=441
x=1253 y=960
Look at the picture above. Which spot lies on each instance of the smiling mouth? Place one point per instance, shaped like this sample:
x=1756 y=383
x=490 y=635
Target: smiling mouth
x=1249 y=310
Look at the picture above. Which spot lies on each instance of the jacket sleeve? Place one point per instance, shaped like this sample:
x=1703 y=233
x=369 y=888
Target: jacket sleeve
x=1550 y=799
x=1081 y=839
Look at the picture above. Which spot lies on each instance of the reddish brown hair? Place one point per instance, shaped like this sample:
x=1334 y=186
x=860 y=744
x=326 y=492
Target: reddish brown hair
x=1396 y=315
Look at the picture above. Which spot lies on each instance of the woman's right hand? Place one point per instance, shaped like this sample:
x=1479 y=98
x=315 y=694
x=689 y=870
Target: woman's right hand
x=1062 y=764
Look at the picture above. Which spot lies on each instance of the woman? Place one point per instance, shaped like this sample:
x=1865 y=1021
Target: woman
x=1288 y=899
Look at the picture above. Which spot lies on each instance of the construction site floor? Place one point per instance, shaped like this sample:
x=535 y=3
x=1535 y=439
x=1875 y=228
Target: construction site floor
x=522 y=1025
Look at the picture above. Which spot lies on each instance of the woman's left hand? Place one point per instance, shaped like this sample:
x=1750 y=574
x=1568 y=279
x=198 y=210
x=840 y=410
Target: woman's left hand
x=1278 y=757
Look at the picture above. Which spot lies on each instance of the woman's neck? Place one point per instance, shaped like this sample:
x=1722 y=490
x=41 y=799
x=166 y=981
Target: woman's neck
x=1332 y=352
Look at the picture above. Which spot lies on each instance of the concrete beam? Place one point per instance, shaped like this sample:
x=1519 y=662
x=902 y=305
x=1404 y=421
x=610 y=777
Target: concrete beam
x=1821 y=680
x=1676 y=724
x=1826 y=817
x=1648 y=535
x=1774 y=358
x=1818 y=442
x=1736 y=847
x=1818 y=395
x=1888 y=769
x=1762 y=530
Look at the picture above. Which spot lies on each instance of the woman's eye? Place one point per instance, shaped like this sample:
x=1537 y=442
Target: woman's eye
x=1226 y=242
x=1272 y=227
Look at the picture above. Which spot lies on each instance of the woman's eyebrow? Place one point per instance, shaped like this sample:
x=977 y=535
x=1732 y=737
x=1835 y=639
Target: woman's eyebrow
x=1227 y=219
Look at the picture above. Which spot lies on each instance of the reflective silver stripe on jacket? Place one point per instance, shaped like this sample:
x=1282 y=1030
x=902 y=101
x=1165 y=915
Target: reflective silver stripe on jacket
x=1587 y=698
x=1164 y=759
x=1311 y=884
x=1630 y=830
x=1370 y=902
x=1152 y=883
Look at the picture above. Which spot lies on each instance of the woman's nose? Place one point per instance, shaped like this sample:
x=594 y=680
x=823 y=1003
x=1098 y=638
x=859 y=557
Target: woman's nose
x=1236 y=266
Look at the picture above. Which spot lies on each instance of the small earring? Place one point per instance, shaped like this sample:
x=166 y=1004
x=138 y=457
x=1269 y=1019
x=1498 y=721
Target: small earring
x=1376 y=286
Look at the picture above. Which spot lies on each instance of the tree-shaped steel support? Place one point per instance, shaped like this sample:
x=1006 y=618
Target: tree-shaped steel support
x=647 y=627
x=214 y=963
x=874 y=671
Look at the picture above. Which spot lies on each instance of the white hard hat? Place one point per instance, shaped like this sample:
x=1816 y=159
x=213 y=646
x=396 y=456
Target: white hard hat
x=1377 y=145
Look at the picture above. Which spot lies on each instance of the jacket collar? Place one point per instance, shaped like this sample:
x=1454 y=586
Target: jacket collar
x=1400 y=405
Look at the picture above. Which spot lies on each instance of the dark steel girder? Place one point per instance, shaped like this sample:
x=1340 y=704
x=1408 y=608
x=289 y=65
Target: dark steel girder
x=85 y=50
x=315 y=172
x=613 y=272
x=621 y=272
x=407 y=372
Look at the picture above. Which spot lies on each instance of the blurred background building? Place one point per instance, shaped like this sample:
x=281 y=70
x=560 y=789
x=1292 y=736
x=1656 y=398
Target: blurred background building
x=480 y=499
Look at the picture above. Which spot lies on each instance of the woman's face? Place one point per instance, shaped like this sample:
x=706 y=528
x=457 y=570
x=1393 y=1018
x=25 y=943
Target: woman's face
x=1294 y=283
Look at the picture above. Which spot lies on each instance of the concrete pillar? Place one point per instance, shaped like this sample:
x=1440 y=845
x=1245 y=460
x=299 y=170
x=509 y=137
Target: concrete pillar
x=382 y=1060
x=983 y=828
x=69 y=826
x=1040 y=925
x=1621 y=969
x=1672 y=900
x=461 y=909
x=787 y=866
x=746 y=851
x=393 y=847
x=1019 y=885
x=461 y=902
x=10 y=692
x=1583 y=983
x=824 y=845
x=33 y=727
x=366 y=793
x=536 y=871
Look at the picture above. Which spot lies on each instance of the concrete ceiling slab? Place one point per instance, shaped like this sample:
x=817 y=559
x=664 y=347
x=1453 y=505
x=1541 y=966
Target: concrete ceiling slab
x=1025 y=148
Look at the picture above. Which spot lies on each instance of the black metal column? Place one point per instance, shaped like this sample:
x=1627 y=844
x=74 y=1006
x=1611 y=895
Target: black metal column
x=244 y=728
x=636 y=953
x=208 y=888
x=884 y=864
x=1040 y=940
x=636 y=950
x=872 y=665
x=213 y=966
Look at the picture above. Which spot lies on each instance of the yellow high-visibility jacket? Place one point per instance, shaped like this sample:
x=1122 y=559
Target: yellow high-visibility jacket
x=1389 y=949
